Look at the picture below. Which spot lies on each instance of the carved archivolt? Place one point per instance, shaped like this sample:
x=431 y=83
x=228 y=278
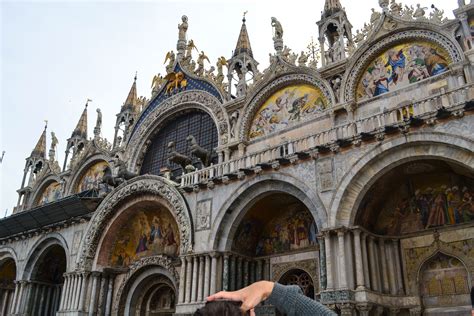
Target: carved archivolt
x=147 y=184
x=251 y=109
x=175 y=104
x=361 y=61
x=162 y=261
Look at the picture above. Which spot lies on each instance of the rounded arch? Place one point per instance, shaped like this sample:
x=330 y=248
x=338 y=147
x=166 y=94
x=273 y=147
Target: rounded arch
x=39 y=248
x=386 y=155
x=42 y=186
x=72 y=184
x=273 y=85
x=370 y=50
x=192 y=99
x=140 y=272
x=8 y=253
x=298 y=276
x=425 y=259
x=141 y=185
x=232 y=212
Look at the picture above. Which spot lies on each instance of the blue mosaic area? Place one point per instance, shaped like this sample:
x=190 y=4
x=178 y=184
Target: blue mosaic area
x=192 y=84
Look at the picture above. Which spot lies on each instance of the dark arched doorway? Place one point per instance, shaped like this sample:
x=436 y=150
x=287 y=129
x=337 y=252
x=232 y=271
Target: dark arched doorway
x=46 y=282
x=7 y=284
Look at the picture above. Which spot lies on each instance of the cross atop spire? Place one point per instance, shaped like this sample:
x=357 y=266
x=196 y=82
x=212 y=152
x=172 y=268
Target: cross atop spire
x=81 y=127
x=243 y=43
x=40 y=149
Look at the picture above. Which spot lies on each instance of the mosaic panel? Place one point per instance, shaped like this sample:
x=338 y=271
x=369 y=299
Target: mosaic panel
x=402 y=65
x=287 y=106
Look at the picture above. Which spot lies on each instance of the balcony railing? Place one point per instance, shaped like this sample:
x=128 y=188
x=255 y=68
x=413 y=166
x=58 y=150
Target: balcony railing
x=392 y=119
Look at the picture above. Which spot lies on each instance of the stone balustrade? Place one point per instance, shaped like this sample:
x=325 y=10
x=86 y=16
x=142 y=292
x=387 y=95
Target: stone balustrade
x=374 y=126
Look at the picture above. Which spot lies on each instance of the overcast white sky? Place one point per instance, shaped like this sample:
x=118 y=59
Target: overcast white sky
x=56 y=54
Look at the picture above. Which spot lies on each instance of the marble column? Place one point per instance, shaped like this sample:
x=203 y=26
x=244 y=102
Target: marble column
x=77 y=291
x=63 y=296
x=93 y=299
x=360 y=281
x=365 y=261
x=383 y=259
x=252 y=271
x=391 y=267
x=15 y=297
x=398 y=263
x=246 y=272
x=225 y=273
x=182 y=280
x=259 y=270
x=322 y=263
x=4 y=303
x=373 y=263
x=195 y=279
x=232 y=273
x=42 y=293
x=48 y=303
x=327 y=244
x=266 y=269
x=342 y=260
x=207 y=272
x=82 y=297
x=102 y=290
x=200 y=279
x=239 y=282
x=108 y=303
x=74 y=291
x=189 y=278
x=213 y=285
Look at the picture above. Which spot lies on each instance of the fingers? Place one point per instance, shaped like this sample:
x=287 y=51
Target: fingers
x=252 y=312
x=223 y=295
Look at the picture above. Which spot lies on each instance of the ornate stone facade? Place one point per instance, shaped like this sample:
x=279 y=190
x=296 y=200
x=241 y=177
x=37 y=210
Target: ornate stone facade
x=359 y=201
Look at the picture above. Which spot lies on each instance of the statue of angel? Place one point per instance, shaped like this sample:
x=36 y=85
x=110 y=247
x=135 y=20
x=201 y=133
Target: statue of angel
x=171 y=57
x=277 y=28
x=200 y=62
x=303 y=59
x=54 y=141
x=374 y=17
x=419 y=12
x=221 y=62
x=156 y=82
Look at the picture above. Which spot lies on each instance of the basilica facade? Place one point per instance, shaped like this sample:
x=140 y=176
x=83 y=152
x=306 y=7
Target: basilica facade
x=347 y=170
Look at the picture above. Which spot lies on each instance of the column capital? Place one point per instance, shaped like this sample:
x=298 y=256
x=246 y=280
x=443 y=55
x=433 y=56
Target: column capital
x=364 y=308
x=357 y=231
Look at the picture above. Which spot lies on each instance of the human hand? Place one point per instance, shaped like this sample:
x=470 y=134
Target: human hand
x=250 y=296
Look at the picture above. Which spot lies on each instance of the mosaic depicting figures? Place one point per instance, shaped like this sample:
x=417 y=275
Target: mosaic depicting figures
x=50 y=194
x=402 y=65
x=92 y=178
x=145 y=233
x=293 y=230
x=289 y=105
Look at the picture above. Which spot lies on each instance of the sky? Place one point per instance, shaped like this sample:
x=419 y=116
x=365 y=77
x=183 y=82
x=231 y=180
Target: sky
x=57 y=54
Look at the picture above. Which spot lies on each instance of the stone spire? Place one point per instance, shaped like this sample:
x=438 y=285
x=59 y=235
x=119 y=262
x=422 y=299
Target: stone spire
x=242 y=66
x=128 y=114
x=243 y=43
x=131 y=101
x=81 y=127
x=40 y=149
x=331 y=7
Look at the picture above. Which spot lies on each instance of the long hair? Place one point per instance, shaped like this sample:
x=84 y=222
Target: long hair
x=220 y=308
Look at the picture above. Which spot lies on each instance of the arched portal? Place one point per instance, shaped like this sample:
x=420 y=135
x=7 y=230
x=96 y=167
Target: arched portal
x=7 y=285
x=150 y=290
x=276 y=232
x=46 y=282
x=417 y=196
x=444 y=287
